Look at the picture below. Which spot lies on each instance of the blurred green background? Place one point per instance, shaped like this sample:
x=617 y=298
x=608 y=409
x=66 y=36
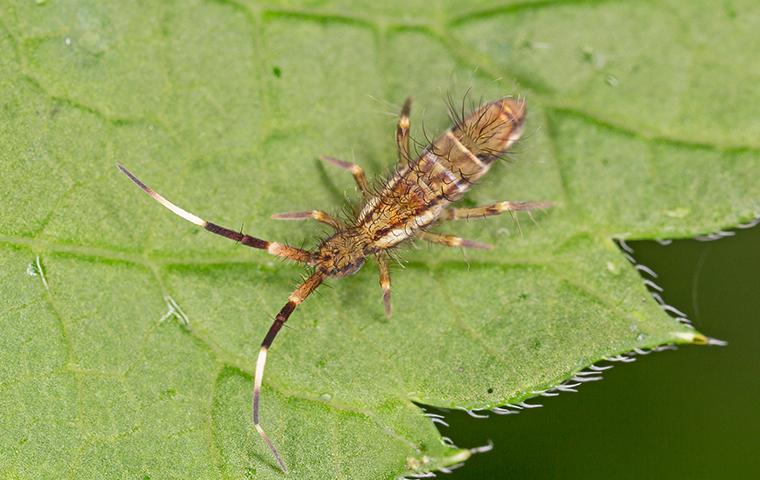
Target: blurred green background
x=690 y=413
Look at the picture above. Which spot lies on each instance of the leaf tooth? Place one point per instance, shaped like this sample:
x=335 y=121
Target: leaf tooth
x=482 y=449
x=645 y=269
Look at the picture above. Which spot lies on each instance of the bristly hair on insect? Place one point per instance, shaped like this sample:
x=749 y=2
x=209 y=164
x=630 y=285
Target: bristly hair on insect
x=414 y=197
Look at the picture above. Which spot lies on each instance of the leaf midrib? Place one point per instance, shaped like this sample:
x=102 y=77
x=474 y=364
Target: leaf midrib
x=235 y=361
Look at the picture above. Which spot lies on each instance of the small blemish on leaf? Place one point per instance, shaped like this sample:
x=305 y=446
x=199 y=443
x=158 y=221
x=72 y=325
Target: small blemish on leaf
x=596 y=59
x=169 y=393
x=611 y=80
x=613 y=268
x=35 y=269
x=277 y=72
x=174 y=310
x=490 y=390
x=680 y=212
x=417 y=463
x=31 y=270
x=523 y=296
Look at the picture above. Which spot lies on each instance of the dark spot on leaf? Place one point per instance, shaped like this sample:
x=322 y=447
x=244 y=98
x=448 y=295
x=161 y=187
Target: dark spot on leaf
x=490 y=390
x=277 y=72
x=170 y=393
x=523 y=296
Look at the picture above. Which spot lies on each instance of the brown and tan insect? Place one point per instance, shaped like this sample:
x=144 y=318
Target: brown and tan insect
x=415 y=197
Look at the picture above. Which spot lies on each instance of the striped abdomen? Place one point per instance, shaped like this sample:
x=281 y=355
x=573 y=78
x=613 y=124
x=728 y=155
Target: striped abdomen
x=416 y=194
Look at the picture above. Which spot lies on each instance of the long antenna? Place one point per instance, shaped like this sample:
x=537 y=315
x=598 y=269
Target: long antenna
x=295 y=299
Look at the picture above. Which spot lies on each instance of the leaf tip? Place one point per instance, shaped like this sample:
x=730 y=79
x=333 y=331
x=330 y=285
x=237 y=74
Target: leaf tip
x=698 y=339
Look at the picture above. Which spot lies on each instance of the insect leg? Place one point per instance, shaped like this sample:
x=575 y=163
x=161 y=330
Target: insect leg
x=295 y=299
x=272 y=248
x=356 y=170
x=385 y=282
x=317 y=215
x=493 y=209
x=452 y=241
x=402 y=133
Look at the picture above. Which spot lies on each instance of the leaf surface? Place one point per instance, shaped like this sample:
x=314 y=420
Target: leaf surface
x=129 y=336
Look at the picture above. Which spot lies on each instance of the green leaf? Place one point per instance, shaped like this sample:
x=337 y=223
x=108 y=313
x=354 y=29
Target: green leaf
x=129 y=337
